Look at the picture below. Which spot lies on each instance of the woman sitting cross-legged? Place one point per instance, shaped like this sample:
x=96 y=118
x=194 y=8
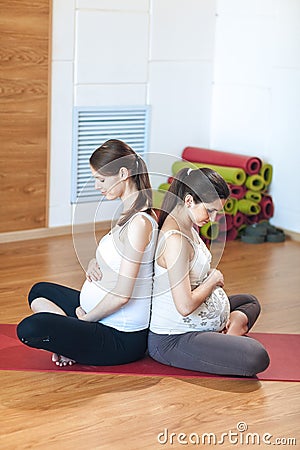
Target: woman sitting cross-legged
x=106 y=323
x=194 y=325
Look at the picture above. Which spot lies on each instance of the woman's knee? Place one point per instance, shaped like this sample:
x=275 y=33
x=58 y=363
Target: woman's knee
x=254 y=300
x=31 y=330
x=257 y=359
x=35 y=292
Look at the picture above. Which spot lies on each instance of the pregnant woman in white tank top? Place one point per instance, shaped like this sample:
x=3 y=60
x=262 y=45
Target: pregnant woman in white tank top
x=107 y=322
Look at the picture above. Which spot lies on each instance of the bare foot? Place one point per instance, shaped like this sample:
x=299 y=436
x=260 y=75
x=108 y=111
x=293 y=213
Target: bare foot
x=62 y=361
x=237 y=324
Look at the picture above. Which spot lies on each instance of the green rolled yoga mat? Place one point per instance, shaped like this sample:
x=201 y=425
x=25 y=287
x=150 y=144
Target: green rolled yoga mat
x=253 y=196
x=248 y=207
x=255 y=183
x=164 y=186
x=157 y=198
x=266 y=172
x=231 y=206
x=210 y=230
x=232 y=175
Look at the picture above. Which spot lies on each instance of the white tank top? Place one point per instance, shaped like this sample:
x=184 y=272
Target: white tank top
x=135 y=315
x=211 y=315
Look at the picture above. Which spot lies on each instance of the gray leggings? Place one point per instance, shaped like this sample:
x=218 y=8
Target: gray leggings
x=214 y=352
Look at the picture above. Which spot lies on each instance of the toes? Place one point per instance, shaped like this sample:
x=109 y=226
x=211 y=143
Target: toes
x=55 y=357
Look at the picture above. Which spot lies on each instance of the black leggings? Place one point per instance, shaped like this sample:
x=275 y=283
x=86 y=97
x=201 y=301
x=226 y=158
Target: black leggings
x=89 y=343
x=214 y=352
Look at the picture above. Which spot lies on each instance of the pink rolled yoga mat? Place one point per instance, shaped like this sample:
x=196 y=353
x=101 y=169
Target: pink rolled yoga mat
x=250 y=164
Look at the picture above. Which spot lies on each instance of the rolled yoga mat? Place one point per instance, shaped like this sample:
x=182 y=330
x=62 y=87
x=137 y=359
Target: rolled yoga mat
x=266 y=172
x=250 y=164
x=232 y=234
x=267 y=208
x=225 y=222
x=254 y=196
x=157 y=198
x=250 y=220
x=164 y=186
x=229 y=221
x=238 y=219
x=237 y=191
x=255 y=183
x=231 y=206
x=248 y=207
x=210 y=230
x=233 y=175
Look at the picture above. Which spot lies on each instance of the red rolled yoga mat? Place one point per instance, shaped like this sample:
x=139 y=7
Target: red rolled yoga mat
x=267 y=208
x=250 y=164
x=283 y=350
x=232 y=234
x=237 y=191
x=238 y=219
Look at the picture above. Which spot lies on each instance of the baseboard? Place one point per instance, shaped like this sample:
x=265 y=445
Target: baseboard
x=40 y=233
x=292 y=234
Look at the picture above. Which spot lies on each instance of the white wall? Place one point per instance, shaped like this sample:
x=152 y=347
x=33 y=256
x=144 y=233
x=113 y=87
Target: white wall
x=256 y=94
x=130 y=52
x=229 y=82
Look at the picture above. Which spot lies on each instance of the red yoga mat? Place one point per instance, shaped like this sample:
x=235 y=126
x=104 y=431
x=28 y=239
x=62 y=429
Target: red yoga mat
x=250 y=220
x=224 y=221
x=238 y=219
x=267 y=208
x=251 y=164
x=232 y=234
x=237 y=191
x=283 y=350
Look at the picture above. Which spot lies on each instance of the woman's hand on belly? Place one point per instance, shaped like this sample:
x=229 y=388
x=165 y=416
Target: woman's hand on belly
x=93 y=272
x=80 y=313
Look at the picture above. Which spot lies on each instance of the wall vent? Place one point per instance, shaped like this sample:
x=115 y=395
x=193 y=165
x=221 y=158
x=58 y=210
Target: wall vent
x=92 y=127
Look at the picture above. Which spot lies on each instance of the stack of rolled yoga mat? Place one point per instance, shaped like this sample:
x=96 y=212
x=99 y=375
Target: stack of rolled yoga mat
x=248 y=178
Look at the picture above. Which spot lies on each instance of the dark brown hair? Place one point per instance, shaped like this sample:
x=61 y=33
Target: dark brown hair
x=204 y=185
x=108 y=160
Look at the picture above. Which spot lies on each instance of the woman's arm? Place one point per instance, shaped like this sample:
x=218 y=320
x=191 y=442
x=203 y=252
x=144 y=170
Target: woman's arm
x=138 y=234
x=177 y=257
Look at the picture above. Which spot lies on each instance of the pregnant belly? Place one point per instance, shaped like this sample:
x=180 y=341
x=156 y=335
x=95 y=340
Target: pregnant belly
x=90 y=295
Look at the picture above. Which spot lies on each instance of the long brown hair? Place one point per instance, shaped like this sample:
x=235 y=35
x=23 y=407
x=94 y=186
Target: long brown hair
x=108 y=160
x=204 y=185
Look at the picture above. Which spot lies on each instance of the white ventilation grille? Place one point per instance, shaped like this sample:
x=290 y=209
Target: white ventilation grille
x=92 y=127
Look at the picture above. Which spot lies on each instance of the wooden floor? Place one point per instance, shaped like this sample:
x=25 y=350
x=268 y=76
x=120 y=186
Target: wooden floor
x=81 y=411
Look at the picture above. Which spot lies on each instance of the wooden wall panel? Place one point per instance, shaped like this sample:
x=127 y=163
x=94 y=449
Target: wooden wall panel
x=24 y=69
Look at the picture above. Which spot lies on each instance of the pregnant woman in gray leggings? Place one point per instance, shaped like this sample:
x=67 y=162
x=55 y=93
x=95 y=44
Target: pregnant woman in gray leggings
x=194 y=325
